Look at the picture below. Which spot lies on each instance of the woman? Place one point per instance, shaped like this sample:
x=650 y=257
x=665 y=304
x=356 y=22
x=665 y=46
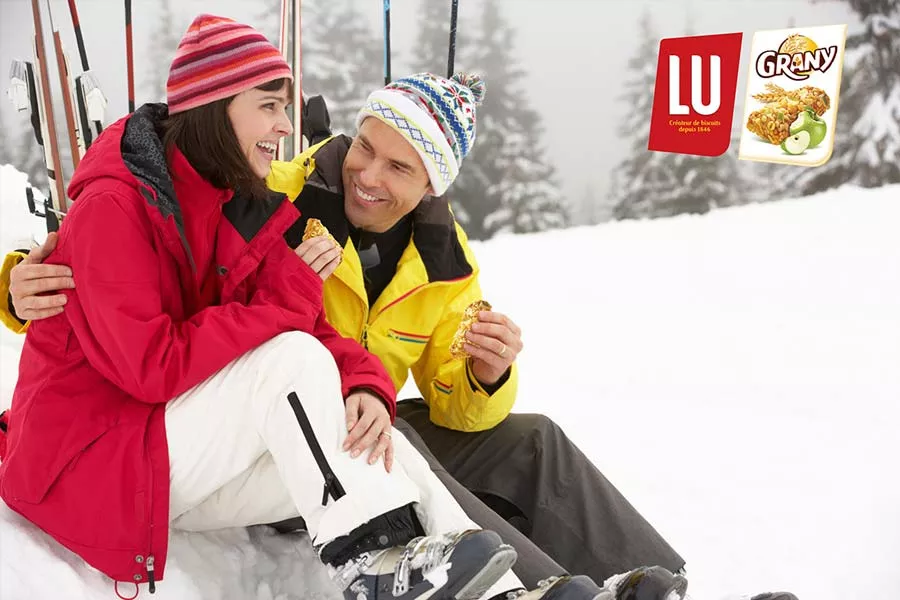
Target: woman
x=195 y=359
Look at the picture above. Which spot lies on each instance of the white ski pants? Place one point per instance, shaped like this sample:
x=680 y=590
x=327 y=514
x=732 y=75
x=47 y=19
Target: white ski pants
x=239 y=456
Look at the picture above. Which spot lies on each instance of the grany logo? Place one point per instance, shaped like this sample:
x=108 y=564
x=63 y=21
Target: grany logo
x=796 y=58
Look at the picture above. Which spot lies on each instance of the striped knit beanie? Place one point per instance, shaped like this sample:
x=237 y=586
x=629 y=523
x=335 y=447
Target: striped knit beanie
x=435 y=115
x=219 y=58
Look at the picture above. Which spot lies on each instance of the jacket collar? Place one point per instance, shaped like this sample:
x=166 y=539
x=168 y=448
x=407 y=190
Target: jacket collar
x=143 y=153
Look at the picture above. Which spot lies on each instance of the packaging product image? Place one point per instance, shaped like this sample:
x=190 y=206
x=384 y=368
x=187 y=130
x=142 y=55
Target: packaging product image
x=790 y=110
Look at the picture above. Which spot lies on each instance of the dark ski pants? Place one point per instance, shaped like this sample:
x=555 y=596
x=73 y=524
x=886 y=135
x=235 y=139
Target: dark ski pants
x=529 y=472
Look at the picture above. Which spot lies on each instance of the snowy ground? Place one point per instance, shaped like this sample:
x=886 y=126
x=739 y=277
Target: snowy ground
x=736 y=375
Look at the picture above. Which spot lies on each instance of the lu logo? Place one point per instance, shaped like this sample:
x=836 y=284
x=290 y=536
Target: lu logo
x=696 y=79
x=693 y=101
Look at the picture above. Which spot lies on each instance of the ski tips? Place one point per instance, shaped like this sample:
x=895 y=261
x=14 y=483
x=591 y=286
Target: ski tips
x=18 y=86
x=95 y=101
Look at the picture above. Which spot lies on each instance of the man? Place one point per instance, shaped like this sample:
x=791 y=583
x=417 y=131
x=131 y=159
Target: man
x=399 y=284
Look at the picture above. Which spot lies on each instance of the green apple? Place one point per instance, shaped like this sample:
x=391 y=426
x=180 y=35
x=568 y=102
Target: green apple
x=797 y=143
x=810 y=122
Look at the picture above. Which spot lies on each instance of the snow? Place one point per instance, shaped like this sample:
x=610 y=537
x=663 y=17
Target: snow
x=734 y=374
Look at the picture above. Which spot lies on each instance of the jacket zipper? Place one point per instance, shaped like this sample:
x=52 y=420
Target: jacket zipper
x=151 y=574
x=364 y=336
x=150 y=563
x=332 y=486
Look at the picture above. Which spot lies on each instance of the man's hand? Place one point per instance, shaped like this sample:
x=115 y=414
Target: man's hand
x=368 y=424
x=320 y=254
x=30 y=278
x=494 y=342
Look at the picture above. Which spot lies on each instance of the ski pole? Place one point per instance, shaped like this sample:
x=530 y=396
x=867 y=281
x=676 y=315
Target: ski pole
x=79 y=38
x=93 y=103
x=298 y=80
x=454 y=9
x=283 y=46
x=129 y=56
x=387 y=42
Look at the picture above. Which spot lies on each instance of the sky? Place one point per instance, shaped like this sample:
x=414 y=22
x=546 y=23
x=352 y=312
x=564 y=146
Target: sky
x=573 y=51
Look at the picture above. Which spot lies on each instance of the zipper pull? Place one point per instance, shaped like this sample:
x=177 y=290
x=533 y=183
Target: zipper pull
x=325 y=493
x=365 y=336
x=150 y=574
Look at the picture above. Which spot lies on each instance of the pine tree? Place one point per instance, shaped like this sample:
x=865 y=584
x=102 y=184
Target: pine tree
x=530 y=196
x=342 y=61
x=505 y=184
x=695 y=185
x=163 y=43
x=867 y=136
x=642 y=174
x=268 y=20
x=431 y=50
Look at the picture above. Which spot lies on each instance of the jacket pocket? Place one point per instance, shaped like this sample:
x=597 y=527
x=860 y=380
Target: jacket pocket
x=332 y=485
x=42 y=444
x=28 y=477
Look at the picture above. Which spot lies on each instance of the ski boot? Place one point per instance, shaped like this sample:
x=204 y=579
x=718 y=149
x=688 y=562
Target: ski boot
x=579 y=587
x=454 y=566
x=646 y=583
x=765 y=596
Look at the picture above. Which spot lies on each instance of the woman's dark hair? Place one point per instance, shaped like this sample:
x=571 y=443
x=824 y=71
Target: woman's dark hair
x=206 y=138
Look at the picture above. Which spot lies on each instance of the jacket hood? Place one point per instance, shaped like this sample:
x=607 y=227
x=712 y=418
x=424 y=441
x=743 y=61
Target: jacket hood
x=131 y=151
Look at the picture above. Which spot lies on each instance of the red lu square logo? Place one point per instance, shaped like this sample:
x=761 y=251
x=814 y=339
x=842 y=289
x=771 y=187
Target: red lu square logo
x=693 y=101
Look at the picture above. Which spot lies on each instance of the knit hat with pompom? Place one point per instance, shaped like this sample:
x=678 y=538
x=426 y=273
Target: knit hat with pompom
x=436 y=115
x=218 y=58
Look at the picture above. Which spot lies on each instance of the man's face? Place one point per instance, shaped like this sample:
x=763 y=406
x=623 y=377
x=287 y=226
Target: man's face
x=384 y=178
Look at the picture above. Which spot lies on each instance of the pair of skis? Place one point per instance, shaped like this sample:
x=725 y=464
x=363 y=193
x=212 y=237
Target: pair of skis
x=83 y=103
x=454 y=13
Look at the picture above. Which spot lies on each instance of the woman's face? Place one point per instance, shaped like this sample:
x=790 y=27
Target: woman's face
x=259 y=119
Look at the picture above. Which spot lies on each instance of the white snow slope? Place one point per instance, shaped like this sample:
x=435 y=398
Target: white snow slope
x=736 y=375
